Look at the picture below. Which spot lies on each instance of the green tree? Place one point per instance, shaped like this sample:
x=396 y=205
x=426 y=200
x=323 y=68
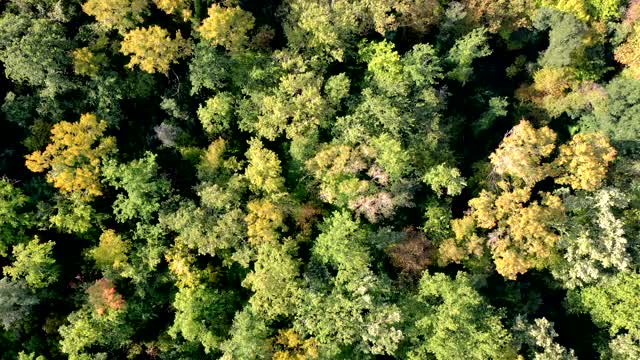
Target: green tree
x=33 y=263
x=455 y=322
x=144 y=187
x=248 y=337
x=274 y=280
x=16 y=302
x=466 y=49
x=566 y=38
x=614 y=114
x=14 y=220
x=539 y=337
x=611 y=304
x=593 y=242
x=34 y=52
x=111 y=253
x=203 y=315
x=263 y=171
x=94 y=331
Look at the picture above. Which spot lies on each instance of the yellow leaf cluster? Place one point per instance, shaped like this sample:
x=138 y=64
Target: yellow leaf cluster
x=153 y=50
x=295 y=348
x=263 y=221
x=522 y=151
x=85 y=62
x=500 y=15
x=174 y=6
x=118 y=14
x=181 y=264
x=74 y=156
x=520 y=228
x=337 y=166
x=227 y=27
x=263 y=172
x=628 y=53
x=575 y=7
x=112 y=250
x=585 y=160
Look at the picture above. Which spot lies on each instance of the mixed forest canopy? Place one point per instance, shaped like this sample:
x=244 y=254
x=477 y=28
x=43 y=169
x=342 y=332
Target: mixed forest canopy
x=320 y=179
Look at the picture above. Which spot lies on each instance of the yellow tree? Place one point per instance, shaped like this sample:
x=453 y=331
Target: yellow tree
x=585 y=160
x=111 y=253
x=263 y=171
x=153 y=50
x=628 y=53
x=522 y=151
x=227 y=27
x=264 y=219
x=175 y=6
x=74 y=156
x=520 y=225
x=116 y=14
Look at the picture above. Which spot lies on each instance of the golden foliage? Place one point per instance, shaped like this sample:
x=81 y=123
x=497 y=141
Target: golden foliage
x=263 y=221
x=181 y=264
x=585 y=160
x=575 y=7
x=118 y=14
x=628 y=53
x=227 y=27
x=153 y=50
x=500 y=15
x=74 y=156
x=263 y=171
x=520 y=227
x=522 y=151
x=173 y=6
x=294 y=347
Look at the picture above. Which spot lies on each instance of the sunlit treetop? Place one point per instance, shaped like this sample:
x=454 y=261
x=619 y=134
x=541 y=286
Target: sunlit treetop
x=171 y=7
x=585 y=160
x=227 y=27
x=74 y=156
x=522 y=151
x=116 y=14
x=153 y=50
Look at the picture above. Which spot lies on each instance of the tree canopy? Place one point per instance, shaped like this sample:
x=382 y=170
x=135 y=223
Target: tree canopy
x=319 y=179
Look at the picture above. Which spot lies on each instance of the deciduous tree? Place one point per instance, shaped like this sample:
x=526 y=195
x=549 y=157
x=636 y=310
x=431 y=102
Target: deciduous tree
x=34 y=263
x=153 y=50
x=74 y=156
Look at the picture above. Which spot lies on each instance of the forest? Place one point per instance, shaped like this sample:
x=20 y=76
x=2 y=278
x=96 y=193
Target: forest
x=320 y=179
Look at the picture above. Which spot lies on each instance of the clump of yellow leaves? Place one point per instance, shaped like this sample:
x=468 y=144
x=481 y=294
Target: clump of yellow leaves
x=175 y=6
x=628 y=53
x=227 y=26
x=74 y=156
x=521 y=152
x=519 y=222
x=118 y=14
x=585 y=160
x=153 y=50
x=263 y=221
x=295 y=348
x=111 y=253
x=86 y=62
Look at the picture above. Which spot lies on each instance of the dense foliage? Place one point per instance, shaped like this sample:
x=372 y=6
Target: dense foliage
x=313 y=179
